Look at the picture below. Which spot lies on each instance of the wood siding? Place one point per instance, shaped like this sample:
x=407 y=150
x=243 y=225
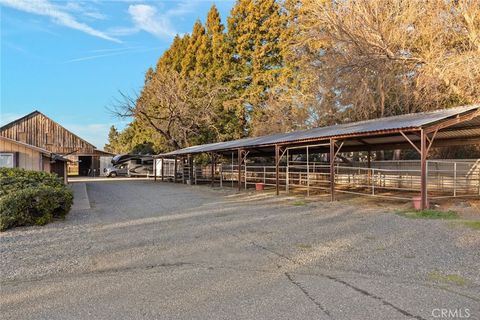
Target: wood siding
x=38 y=130
x=28 y=159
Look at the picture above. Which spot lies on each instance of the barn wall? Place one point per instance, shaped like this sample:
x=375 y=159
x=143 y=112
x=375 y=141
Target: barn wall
x=72 y=166
x=46 y=164
x=40 y=131
x=27 y=158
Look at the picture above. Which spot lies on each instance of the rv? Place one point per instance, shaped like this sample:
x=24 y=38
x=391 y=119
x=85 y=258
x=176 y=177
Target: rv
x=131 y=166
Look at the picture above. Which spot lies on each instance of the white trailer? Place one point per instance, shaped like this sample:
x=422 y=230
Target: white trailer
x=105 y=163
x=168 y=168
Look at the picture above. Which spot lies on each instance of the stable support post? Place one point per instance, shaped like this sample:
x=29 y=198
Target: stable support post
x=231 y=171
x=287 y=178
x=369 y=166
x=332 y=169
x=175 y=169
x=213 y=169
x=154 y=169
x=308 y=173
x=162 y=170
x=277 y=169
x=239 y=169
x=245 y=174
x=373 y=182
x=183 y=169
x=221 y=175
x=423 y=170
x=190 y=169
x=454 y=179
x=195 y=173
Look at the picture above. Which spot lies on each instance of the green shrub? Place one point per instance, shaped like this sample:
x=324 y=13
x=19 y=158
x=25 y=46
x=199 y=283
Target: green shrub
x=28 y=197
x=13 y=179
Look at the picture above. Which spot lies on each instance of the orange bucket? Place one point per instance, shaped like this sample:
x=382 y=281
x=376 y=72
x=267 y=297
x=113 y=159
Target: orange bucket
x=259 y=186
x=417 y=203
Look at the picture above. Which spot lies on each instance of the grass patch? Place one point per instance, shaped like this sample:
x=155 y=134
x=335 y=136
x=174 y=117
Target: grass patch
x=428 y=214
x=472 y=224
x=303 y=246
x=299 y=203
x=447 y=278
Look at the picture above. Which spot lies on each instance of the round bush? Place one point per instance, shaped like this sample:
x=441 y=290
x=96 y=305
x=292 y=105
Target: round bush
x=29 y=197
x=13 y=179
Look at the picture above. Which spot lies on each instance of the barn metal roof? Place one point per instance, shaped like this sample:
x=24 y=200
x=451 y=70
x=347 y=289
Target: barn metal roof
x=412 y=121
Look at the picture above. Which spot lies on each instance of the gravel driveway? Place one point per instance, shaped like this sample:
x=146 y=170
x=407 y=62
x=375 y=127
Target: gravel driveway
x=150 y=250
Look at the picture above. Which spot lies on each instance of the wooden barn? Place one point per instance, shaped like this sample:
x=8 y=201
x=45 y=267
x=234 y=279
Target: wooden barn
x=38 y=130
x=16 y=154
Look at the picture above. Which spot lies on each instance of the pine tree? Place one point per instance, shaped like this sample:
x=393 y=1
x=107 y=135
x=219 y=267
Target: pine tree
x=246 y=65
x=172 y=58
x=194 y=51
x=215 y=42
x=254 y=29
x=112 y=140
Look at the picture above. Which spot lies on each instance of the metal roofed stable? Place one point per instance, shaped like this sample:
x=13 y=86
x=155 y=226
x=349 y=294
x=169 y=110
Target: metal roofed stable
x=365 y=129
x=417 y=131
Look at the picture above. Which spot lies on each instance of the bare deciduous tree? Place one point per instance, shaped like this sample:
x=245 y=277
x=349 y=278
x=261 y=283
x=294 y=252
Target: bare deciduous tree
x=180 y=109
x=378 y=58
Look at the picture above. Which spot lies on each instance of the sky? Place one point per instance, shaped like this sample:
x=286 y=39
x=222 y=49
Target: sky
x=71 y=59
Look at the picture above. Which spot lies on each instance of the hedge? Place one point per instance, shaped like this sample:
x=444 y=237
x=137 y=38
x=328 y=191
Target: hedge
x=15 y=179
x=30 y=197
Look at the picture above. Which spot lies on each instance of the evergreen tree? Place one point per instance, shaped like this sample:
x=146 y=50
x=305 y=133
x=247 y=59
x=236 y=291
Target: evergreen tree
x=172 y=58
x=112 y=140
x=244 y=65
x=195 y=51
x=254 y=30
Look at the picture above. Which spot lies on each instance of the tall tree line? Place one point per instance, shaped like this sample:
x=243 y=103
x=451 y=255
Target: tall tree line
x=283 y=65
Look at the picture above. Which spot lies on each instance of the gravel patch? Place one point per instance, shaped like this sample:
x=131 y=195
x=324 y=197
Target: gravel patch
x=150 y=250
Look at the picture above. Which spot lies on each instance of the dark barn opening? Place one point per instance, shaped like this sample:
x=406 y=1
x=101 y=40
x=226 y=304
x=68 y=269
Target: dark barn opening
x=84 y=165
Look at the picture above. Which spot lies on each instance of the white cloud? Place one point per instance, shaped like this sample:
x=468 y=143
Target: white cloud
x=146 y=18
x=84 y=9
x=112 y=52
x=57 y=14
